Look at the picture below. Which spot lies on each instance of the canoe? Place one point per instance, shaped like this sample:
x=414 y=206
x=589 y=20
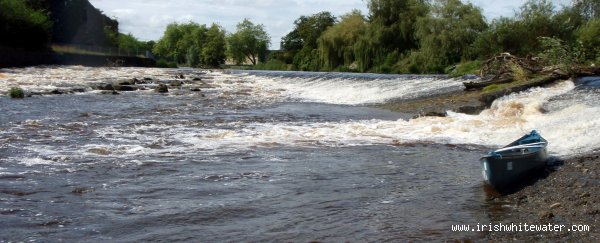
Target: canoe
x=514 y=162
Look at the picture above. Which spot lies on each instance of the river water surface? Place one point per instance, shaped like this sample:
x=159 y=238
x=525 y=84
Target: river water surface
x=258 y=156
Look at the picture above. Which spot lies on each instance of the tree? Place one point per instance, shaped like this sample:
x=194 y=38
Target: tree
x=390 y=32
x=213 y=52
x=306 y=31
x=192 y=44
x=589 y=37
x=336 y=44
x=22 y=26
x=249 y=42
x=448 y=31
x=394 y=22
x=301 y=43
x=129 y=44
x=588 y=8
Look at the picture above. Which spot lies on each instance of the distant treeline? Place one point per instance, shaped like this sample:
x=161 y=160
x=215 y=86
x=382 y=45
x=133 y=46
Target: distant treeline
x=408 y=36
x=395 y=36
x=420 y=36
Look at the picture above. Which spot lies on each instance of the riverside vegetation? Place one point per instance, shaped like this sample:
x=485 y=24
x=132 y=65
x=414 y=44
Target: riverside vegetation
x=412 y=36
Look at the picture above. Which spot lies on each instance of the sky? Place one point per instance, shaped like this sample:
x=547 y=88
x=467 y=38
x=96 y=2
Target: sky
x=147 y=19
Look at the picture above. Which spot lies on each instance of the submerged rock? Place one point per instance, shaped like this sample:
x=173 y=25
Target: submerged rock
x=162 y=88
x=124 y=88
x=175 y=83
x=105 y=87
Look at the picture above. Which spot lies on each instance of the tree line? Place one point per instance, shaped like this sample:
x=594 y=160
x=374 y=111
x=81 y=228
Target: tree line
x=408 y=36
x=420 y=36
x=395 y=36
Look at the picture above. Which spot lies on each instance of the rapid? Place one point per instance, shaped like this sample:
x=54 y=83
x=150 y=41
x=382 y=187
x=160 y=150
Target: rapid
x=258 y=155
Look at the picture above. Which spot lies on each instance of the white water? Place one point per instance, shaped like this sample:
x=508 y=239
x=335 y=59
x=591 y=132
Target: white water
x=342 y=90
x=567 y=117
x=569 y=129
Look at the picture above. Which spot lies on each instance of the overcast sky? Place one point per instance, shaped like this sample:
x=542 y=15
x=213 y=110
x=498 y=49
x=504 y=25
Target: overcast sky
x=147 y=19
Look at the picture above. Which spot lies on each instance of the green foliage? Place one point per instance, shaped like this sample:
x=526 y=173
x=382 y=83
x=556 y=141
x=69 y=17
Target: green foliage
x=162 y=63
x=16 y=93
x=427 y=36
x=128 y=43
x=589 y=37
x=213 y=52
x=192 y=44
x=249 y=42
x=336 y=44
x=588 y=9
x=273 y=64
x=465 y=68
x=557 y=52
x=393 y=23
x=447 y=33
x=23 y=27
x=494 y=87
x=300 y=43
x=519 y=73
x=307 y=30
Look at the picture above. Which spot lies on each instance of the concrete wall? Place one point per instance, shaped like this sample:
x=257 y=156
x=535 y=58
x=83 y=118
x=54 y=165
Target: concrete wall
x=79 y=22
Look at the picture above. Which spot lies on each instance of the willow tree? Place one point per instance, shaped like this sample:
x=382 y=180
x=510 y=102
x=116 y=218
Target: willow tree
x=336 y=44
x=448 y=31
x=391 y=28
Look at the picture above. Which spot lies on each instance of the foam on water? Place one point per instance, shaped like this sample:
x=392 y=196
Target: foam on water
x=569 y=130
x=363 y=89
x=567 y=117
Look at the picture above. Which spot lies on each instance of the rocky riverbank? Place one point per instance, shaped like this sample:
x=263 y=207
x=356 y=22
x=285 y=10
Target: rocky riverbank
x=567 y=196
x=469 y=102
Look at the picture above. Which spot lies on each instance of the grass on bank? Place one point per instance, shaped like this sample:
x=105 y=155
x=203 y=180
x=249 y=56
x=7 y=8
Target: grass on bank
x=465 y=68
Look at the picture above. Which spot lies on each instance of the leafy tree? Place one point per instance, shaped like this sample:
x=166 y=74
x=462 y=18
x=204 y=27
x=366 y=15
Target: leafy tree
x=588 y=8
x=520 y=35
x=446 y=34
x=129 y=44
x=394 y=21
x=249 y=42
x=306 y=31
x=213 y=52
x=300 y=43
x=23 y=27
x=390 y=32
x=192 y=44
x=589 y=37
x=336 y=44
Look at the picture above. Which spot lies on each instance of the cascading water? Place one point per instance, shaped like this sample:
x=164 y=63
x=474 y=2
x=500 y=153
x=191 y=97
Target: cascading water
x=284 y=156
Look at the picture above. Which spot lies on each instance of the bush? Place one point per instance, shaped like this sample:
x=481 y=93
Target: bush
x=557 y=52
x=162 y=63
x=16 y=93
x=272 y=64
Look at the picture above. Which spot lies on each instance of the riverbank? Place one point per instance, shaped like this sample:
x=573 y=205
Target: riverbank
x=568 y=196
x=469 y=102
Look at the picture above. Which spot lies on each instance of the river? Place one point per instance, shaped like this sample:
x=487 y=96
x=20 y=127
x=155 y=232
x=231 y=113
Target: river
x=259 y=155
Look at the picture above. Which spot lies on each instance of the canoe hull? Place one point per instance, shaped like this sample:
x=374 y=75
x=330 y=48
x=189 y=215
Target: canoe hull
x=502 y=172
